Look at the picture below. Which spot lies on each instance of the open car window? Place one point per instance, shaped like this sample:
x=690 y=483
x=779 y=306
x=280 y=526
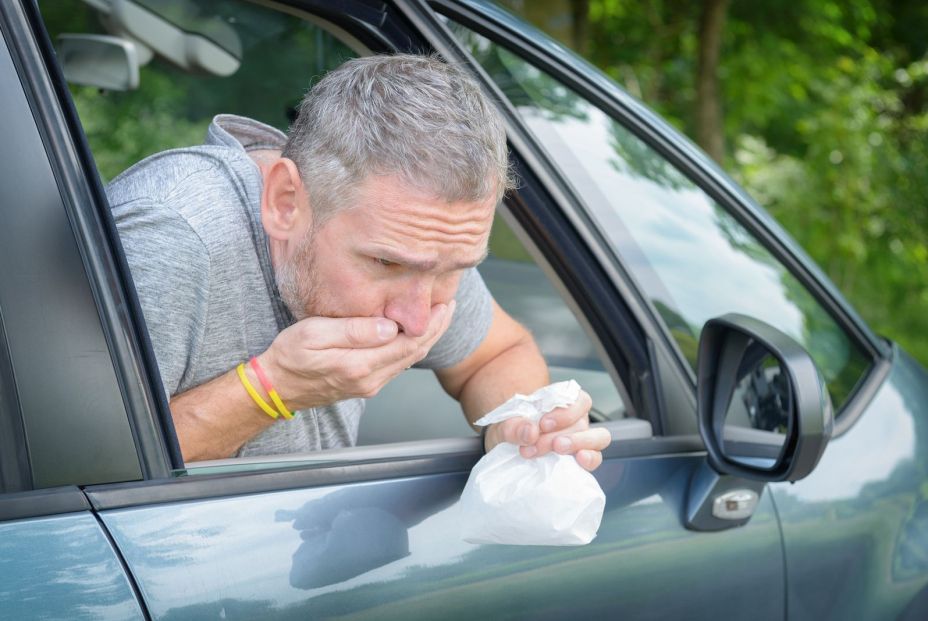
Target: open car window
x=526 y=291
x=255 y=61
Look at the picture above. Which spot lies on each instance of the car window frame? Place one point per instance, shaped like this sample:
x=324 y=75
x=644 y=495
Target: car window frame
x=673 y=146
x=67 y=211
x=105 y=269
x=552 y=58
x=655 y=398
x=115 y=294
x=347 y=31
x=102 y=257
x=15 y=471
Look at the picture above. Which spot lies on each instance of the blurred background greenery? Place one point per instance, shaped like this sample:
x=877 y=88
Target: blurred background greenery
x=819 y=108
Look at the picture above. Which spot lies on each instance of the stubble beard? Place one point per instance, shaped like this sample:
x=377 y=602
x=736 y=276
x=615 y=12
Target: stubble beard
x=297 y=282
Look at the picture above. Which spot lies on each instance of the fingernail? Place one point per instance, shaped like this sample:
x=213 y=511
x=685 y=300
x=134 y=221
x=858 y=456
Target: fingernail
x=386 y=329
x=526 y=434
x=452 y=305
x=529 y=451
x=562 y=444
x=547 y=424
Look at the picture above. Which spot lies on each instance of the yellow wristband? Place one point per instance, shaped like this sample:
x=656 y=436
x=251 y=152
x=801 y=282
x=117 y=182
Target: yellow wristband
x=280 y=404
x=240 y=369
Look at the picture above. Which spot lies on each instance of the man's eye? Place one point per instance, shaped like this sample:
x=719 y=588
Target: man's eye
x=385 y=262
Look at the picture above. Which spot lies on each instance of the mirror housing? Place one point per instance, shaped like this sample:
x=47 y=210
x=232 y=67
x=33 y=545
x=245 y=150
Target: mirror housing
x=110 y=63
x=728 y=348
x=177 y=31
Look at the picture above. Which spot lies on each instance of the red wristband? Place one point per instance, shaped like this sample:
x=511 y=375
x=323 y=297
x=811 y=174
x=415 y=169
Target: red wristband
x=269 y=388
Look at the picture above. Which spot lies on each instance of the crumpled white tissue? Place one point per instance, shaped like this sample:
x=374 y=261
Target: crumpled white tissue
x=547 y=500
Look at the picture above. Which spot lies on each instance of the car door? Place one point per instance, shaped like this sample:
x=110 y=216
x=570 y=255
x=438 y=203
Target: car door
x=697 y=247
x=372 y=531
x=856 y=530
x=58 y=392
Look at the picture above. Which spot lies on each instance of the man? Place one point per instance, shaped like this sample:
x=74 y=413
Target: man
x=338 y=256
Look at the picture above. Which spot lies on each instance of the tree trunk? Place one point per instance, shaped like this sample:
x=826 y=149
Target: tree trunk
x=580 y=21
x=709 y=133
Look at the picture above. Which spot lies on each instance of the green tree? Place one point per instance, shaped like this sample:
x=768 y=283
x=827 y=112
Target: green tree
x=825 y=112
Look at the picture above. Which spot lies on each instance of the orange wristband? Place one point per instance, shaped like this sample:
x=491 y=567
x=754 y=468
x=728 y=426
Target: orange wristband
x=269 y=388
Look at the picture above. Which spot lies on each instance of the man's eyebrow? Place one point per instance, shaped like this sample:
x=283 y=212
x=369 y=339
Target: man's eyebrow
x=424 y=265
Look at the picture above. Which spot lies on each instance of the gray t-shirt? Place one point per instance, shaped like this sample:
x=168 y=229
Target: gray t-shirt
x=189 y=221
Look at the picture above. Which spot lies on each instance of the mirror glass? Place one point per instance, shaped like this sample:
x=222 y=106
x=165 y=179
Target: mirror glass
x=757 y=419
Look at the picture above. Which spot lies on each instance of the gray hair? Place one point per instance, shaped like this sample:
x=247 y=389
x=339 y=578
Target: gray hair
x=416 y=117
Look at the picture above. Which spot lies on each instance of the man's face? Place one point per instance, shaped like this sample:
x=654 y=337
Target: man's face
x=396 y=253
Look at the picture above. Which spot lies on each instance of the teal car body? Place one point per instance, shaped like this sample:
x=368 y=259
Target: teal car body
x=101 y=519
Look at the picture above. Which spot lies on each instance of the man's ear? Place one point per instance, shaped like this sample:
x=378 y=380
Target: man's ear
x=285 y=209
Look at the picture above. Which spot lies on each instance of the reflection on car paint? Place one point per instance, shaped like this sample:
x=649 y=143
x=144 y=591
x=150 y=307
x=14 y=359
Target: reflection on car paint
x=283 y=553
x=62 y=567
x=856 y=529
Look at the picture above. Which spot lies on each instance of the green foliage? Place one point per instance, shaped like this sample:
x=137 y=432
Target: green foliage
x=122 y=131
x=847 y=179
x=825 y=108
x=504 y=244
x=826 y=112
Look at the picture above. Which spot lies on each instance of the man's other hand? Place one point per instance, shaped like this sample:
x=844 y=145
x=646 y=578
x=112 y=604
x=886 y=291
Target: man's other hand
x=562 y=430
x=320 y=360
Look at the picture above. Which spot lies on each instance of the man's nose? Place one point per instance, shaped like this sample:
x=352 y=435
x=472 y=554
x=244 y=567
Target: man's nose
x=412 y=309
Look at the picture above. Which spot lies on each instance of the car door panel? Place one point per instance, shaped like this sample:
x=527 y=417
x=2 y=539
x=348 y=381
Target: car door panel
x=388 y=548
x=391 y=549
x=40 y=331
x=856 y=529
x=62 y=567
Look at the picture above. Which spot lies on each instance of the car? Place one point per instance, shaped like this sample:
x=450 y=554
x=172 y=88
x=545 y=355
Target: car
x=770 y=452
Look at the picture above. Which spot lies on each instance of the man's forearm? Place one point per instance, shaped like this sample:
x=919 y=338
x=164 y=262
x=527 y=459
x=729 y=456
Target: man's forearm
x=519 y=369
x=508 y=362
x=215 y=419
x=313 y=363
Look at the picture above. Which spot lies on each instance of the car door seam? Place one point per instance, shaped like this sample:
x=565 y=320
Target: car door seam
x=776 y=513
x=127 y=569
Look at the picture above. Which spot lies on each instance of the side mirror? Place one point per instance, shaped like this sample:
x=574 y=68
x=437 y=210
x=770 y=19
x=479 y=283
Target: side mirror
x=110 y=63
x=764 y=412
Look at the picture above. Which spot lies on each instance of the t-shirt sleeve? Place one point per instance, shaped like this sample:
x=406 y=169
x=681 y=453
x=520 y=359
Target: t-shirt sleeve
x=170 y=267
x=469 y=326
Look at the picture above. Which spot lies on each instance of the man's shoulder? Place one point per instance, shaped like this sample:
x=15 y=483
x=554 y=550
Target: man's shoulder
x=208 y=191
x=187 y=180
